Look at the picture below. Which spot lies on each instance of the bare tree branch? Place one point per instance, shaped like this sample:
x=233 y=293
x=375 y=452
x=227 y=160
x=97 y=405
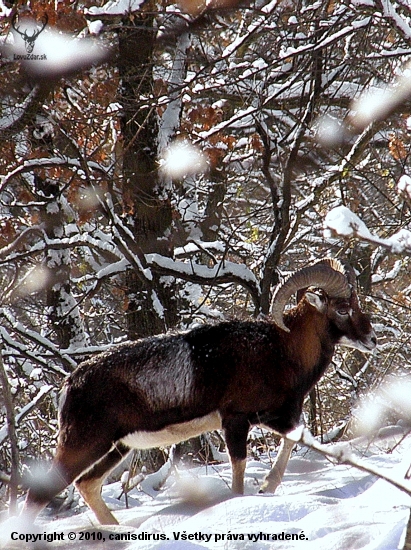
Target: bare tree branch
x=343 y=455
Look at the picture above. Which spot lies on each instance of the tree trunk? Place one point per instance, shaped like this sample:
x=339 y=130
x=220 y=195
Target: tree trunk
x=11 y=429
x=63 y=312
x=145 y=199
x=146 y=203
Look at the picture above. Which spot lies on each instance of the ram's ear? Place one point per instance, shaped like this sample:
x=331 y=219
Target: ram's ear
x=317 y=299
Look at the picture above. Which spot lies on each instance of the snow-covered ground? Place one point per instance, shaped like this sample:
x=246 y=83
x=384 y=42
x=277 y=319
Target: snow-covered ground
x=323 y=505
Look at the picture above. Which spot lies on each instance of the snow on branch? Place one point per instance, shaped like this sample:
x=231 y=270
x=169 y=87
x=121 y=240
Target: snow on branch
x=47 y=162
x=44 y=390
x=327 y=40
x=241 y=118
x=342 y=454
x=108 y=271
x=342 y=222
x=22 y=238
x=115 y=7
x=345 y=223
x=372 y=414
x=256 y=24
x=223 y=272
x=389 y=12
x=334 y=173
x=194 y=246
x=124 y=239
x=13 y=116
x=37 y=339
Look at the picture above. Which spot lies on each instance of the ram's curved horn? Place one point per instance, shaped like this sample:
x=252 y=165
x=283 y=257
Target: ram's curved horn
x=328 y=274
x=352 y=279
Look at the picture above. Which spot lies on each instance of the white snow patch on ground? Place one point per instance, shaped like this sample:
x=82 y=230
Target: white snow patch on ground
x=331 y=506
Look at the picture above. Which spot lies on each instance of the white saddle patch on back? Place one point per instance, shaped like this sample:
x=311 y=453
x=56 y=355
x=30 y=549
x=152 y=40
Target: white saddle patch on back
x=175 y=433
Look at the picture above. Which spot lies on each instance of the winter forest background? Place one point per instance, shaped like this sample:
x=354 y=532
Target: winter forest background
x=177 y=167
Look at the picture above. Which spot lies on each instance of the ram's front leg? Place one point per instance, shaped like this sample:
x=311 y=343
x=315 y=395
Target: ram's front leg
x=274 y=477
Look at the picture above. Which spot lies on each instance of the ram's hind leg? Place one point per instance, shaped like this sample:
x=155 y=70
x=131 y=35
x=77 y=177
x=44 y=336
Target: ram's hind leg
x=68 y=464
x=89 y=484
x=235 y=433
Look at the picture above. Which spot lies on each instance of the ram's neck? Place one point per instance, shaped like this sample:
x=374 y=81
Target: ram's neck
x=309 y=341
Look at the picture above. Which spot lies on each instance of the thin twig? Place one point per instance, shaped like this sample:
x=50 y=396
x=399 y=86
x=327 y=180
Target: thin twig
x=345 y=456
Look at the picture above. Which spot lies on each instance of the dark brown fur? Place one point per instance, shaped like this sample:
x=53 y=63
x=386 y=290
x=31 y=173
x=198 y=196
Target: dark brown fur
x=248 y=372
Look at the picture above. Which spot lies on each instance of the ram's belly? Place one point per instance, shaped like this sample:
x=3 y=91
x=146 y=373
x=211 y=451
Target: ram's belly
x=173 y=433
